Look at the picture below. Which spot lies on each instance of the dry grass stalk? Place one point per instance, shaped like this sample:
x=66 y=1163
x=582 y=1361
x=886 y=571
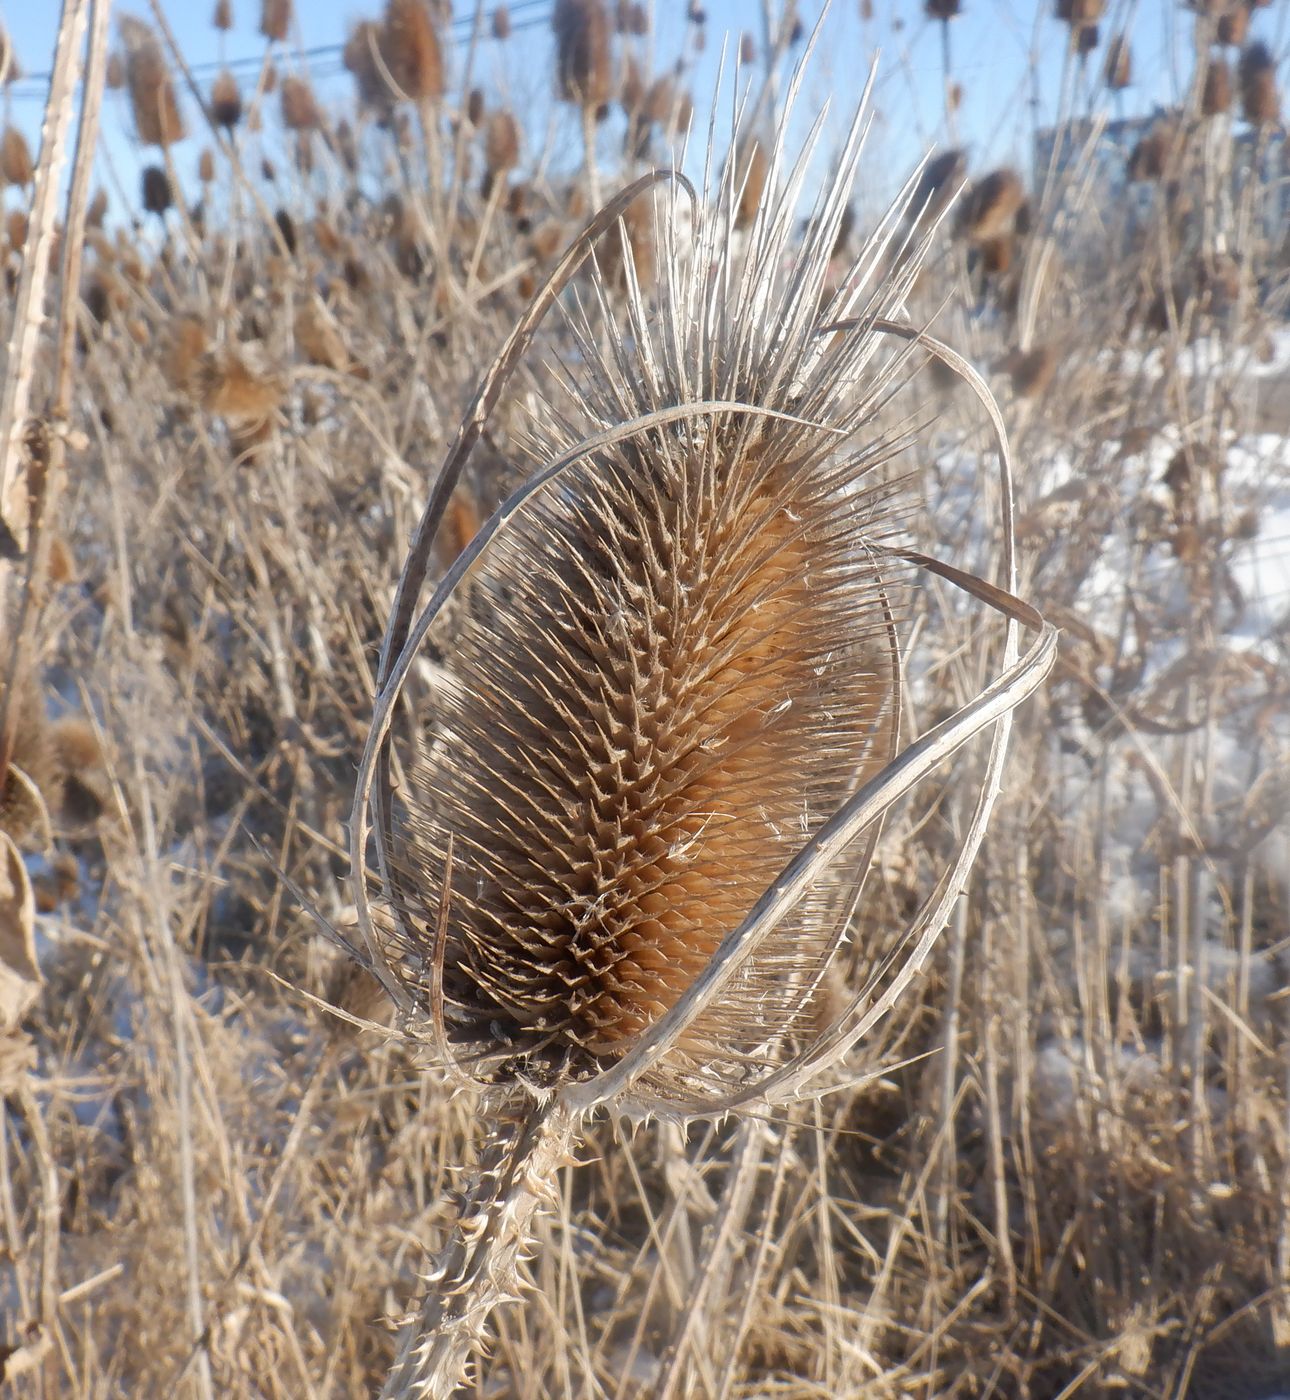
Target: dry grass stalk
x=275 y=19
x=157 y=118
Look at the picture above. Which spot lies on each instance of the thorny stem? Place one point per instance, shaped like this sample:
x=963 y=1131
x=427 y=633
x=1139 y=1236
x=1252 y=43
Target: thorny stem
x=479 y=1268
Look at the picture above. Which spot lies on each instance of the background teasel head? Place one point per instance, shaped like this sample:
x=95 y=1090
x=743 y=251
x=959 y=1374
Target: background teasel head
x=645 y=771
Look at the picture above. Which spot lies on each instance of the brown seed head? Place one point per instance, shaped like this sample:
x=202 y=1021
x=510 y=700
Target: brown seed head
x=16 y=165
x=583 y=69
x=990 y=205
x=501 y=143
x=97 y=211
x=1216 y=90
x=501 y=23
x=157 y=117
x=941 y=9
x=114 y=78
x=1260 y=101
x=15 y=228
x=411 y=50
x=206 y=165
x=1031 y=371
x=30 y=776
x=156 y=192
x=1079 y=12
x=10 y=68
x=226 y=100
x=1118 y=70
x=222 y=19
x=475 y=107
x=275 y=19
x=300 y=111
x=1233 y=25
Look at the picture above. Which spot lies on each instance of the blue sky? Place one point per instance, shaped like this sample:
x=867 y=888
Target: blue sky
x=1008 y=56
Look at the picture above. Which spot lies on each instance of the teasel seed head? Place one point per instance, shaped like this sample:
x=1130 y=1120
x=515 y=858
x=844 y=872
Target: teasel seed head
x=222 y=19
x=1216 y=89
x=300 y=111
x=114 y=77
x=1118 y=70
x=990 y=206
x=157 y=118
x=156 y=192
x=1233 y=25
x=681 y=664
x=275 y=19
x=501 y=143
x=501 y=23
x=226 y=101
x=16 y=165
x=10 y=68
x=1260 y=101
x=411 y=49
x=583 y=69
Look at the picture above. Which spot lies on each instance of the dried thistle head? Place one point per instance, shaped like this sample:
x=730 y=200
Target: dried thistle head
x=1260 y=101
x=1118 y=69
x=300 y=110
x=156 y=193
x=16 y=165
x=275 y=19
x=411 y=49
x=680 y=665
x=226 y=100
x=583 y=67
x=153 y=101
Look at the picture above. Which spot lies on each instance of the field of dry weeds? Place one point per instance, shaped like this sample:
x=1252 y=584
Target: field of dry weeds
x=1061 y=1165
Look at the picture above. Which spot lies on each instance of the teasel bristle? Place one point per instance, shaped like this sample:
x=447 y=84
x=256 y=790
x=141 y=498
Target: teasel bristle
x=681 y=665
x=501 y=142
x=990 y=206
x=583 y=70
x=153 y=101
x=300 y=110
x=226 y=100
x=1216 y=89
x=222 y=19
x=411 y=49
x=156 y=192
x=1260 y=101
x=275 y=19
x=16 y=165
x=1118 y=69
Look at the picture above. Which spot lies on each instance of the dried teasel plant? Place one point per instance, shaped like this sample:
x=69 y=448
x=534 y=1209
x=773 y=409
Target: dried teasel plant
x=633 y=824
